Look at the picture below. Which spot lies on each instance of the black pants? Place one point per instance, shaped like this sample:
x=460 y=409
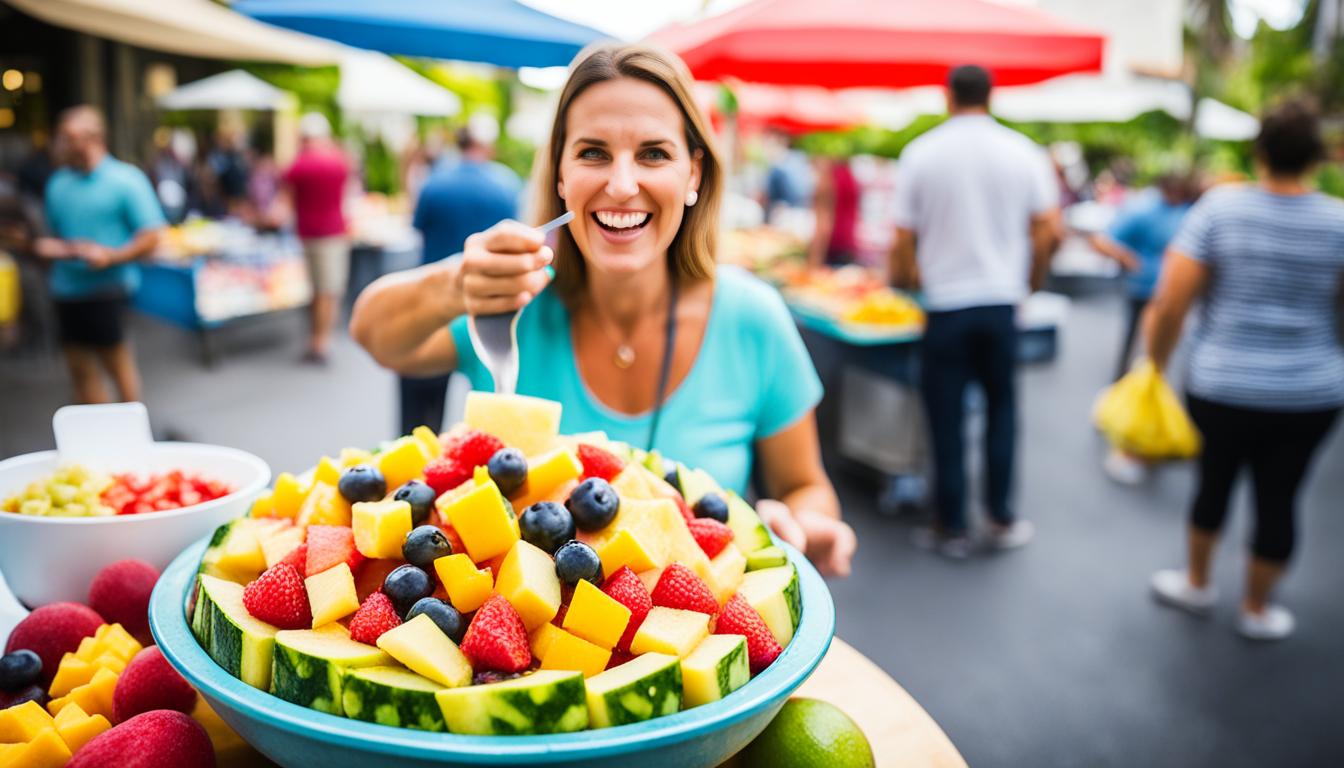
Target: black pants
x=1134 y=313
x=422 y=402
x=977 y=344
x=1277 y=447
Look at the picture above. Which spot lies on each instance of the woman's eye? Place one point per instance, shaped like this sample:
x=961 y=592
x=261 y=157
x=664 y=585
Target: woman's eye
x=591 y=153
x=656 y=154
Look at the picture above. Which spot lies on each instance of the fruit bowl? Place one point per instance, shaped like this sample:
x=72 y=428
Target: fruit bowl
x=295 y=736
x=51 y=559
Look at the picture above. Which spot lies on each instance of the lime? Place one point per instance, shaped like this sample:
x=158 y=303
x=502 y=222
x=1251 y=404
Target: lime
x=809 y=733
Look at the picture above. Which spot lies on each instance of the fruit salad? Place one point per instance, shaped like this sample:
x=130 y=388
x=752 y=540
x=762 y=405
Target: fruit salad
x=499 y=579
x=77 y=491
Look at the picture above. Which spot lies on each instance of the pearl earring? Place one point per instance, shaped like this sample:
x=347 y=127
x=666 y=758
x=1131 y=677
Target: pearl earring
x=692 y=197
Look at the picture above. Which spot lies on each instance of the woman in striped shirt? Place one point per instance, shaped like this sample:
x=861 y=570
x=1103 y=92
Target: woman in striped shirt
x=1266 y=370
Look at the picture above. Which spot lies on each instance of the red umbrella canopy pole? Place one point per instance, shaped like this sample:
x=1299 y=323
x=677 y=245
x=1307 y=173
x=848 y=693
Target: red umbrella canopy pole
x=881 y=43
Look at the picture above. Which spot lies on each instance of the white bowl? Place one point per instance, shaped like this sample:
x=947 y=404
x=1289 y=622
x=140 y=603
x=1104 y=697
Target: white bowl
x=51 y=559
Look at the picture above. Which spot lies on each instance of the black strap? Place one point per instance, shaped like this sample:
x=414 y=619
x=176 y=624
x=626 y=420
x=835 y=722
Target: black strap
x=670 y=345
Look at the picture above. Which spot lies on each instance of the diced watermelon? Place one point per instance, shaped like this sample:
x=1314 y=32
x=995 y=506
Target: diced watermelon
x=330 y=545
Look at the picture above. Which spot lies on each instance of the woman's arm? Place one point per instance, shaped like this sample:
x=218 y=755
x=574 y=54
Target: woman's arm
x=402 y=318
x=807 y=513
x=1183 y=280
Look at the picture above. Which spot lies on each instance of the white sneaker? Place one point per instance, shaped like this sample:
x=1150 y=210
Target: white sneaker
x=1124 y=469
x=1173 y=587
x=1275 y=623
x=1011 y=536
x=932 y=540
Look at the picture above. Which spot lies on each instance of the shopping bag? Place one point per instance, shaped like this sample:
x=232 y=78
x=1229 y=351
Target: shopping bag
x=1141 y=416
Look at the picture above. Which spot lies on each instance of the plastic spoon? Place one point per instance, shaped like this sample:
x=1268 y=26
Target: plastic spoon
x=495 y=337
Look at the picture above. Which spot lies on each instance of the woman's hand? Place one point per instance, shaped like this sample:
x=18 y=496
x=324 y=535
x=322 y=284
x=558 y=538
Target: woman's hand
x=829 y=543
x=503 y=268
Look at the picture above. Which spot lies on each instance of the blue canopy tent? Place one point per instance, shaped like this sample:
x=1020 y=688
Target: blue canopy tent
x=501 y=32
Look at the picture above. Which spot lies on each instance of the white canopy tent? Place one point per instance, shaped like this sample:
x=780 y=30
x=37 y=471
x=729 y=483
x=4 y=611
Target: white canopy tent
x=235 y=89
x=374 y=83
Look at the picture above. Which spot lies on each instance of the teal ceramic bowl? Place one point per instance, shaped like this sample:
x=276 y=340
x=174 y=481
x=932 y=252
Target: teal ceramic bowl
x=294 y=736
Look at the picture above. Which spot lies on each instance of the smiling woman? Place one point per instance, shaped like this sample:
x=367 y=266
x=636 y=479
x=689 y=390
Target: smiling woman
x=639 y=335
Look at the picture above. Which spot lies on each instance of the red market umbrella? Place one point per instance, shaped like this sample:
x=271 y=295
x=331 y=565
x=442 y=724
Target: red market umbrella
x=881 y=43
x=795 y=109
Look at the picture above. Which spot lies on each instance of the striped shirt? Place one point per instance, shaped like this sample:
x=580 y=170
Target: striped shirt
x=1267 y=337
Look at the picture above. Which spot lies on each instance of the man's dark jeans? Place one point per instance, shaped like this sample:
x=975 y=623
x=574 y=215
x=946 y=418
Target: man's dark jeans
x=422 y=402
x=975 y=344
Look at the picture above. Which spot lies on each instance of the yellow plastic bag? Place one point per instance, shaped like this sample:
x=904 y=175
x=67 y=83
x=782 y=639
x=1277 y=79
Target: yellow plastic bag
x=1141 y=416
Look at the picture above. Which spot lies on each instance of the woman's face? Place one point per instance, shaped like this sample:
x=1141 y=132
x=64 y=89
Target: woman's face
x=625 y=172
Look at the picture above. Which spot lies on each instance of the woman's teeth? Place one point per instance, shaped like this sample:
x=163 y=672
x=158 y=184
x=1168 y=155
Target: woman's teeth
x=621 y=220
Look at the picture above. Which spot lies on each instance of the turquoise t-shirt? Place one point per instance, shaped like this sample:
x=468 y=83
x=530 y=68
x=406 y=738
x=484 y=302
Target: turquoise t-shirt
x=751 y=379
x=108 y=205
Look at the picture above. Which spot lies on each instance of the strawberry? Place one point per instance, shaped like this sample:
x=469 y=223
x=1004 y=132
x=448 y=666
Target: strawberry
x=683 y=508
x=278 y=597
x=473 y=448
x=739 y=618
x=624 y=587
x=373 y=618
x=496 y=638
x=679 y=587
x=298 y=557
x=444 y=475
x=330 y=545
x=599 y=463
x=710 y=534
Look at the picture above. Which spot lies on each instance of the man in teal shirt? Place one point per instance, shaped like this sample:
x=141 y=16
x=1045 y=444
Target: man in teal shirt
x=102 y=216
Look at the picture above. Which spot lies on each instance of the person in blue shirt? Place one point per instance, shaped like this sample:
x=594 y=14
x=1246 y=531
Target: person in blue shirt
x=1136 y=241
x=460 y=198
x=102 y=215
x=637 y=334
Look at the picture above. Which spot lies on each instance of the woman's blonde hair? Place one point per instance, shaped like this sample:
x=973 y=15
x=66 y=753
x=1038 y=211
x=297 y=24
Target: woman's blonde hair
x=692 y=251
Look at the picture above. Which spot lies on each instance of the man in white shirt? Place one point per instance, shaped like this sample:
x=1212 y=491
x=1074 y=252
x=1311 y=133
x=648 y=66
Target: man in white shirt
x=976 y=209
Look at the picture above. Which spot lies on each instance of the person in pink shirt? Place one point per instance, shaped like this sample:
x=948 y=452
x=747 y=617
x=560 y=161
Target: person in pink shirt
x=316 y=186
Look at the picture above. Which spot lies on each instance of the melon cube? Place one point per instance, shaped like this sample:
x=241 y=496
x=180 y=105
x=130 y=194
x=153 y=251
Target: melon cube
x=404 y=460
x=275 y=546
x=539 y=640
x=286 y=496
x=468 y=587
x=327 y=471
x=381 y=527
x=624 y=549
x=23 y=722
x=726 y=569
x=45 y=750
x=596 y=616
x=422 y=647
x=324 y=505
x=671 y=631
x=485 y=522
x=527 y=423
x=547 y=473
x=571 y=652
x=428 y=440
x=527 y=580
x=331 y=594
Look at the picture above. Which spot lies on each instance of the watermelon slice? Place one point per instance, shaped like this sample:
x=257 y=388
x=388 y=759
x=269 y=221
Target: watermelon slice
x=330 y=545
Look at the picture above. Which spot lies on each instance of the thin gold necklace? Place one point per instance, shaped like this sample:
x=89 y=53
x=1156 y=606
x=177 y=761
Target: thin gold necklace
x=624 y=357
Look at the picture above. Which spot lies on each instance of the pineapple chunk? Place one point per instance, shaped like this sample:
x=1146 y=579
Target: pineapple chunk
x=264 y=506
x=571 y=652
x=422 y=646
x=287 y=496
x=467 y=586
x=624 y=549
x=381 y=527
x=727 y=568
x=353 y=456
x=275 y=546
x=547 y=473
x=526 y=423
x=331 y=594
x=485 y=522
x=328 y=471
x=633 y=483
x=527 y=580
x=324 y=505
x=429 y=440
x=596 y=617
x=404 y=460
x=671 y=631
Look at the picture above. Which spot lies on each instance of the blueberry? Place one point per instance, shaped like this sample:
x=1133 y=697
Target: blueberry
x=425 y=544
x=576 y=561
x=593 y=504
x=362 y=482
x=31 y=693
x=405 y=585
x=19 y=670
x=445 y=616
x=487 y=676
x=546 y=525
x=508 y=469
x=713 y=506
x=670 y=473
x=421 y=498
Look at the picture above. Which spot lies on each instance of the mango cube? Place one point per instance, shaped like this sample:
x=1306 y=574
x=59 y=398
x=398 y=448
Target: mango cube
x=485 y=522
x=428 y=440
x=540 y=639
x=404 y=460
x=23 y=722
x=547 y=473
x=671 y=631
x=529 y=424
x=78 y=728
x=331 y=594
x=571 y=652
x=381 y=527
x=527 y=580
x=94 y=697
x=467 y=586
x=70 y=674
x=45 y=750
x=114 y=639
x=327 y=471
x=625 y=549
x=596 y=617
x=286 y=496
x=324 y=505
